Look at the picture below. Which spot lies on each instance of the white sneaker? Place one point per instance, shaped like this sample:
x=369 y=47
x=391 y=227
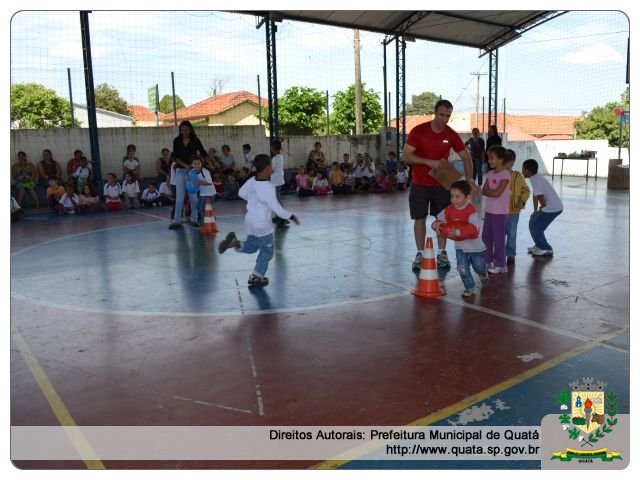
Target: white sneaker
x=469 y=292
x=539 y=252
x=495 y=270
x=531 y=249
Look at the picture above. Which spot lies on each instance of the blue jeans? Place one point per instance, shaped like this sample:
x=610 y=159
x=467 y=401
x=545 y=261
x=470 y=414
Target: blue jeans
x=180 y=192
x=512 y=231
x=538 y=223
x=201 y=203
x=465 y=262
x=265 y=245
x=477 y=170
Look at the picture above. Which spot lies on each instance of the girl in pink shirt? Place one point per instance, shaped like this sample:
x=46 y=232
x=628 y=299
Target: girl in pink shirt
x=496 y=212
x=302 y=181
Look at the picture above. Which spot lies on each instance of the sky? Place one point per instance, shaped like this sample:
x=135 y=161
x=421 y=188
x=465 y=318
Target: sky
x=564 y=67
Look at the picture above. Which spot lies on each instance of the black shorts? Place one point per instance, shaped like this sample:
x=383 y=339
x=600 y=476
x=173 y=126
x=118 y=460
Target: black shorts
x=425 y=201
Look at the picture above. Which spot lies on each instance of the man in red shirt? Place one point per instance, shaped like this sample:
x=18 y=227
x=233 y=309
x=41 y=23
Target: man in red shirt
x=427 y=147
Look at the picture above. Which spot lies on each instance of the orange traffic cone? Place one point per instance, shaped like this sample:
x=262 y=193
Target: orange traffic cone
x=428 y=285
x=209 y=220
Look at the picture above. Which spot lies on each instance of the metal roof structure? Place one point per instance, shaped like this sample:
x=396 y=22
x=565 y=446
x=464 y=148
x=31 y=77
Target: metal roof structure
x=483 y=29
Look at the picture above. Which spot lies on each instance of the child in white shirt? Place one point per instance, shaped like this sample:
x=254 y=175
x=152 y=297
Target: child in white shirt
x=131 y=192
x=320 y=184
x=207 y=189
x=150 y=196
x=112 y=192
x=69 y=203
x=402 y=176
x=260 y=195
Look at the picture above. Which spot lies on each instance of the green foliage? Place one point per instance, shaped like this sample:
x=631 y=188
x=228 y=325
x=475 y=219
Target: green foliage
x=600 y=124
x=166 y=104
x=564 y=418
x=343 y=116
x=35 y=106
x=108 y=98
x=562 y=397
x=422 y=104
x=301 y=111
x=574 y=433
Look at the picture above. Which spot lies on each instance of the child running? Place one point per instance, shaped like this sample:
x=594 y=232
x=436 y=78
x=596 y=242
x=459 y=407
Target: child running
x=496 y=211
x=470 y=251
x=260 y=195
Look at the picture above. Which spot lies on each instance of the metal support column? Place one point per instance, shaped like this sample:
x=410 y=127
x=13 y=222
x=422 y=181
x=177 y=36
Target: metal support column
x=493 y=88
x=384 y=79
x=401 y=86
x=272 y=77
x=91 y=100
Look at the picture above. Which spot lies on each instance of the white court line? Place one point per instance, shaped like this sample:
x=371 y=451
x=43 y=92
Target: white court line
x=46 y=242
x=506 y=316
x=254 y=373
x=308 y=308
x=230 y=313
x=210 y=404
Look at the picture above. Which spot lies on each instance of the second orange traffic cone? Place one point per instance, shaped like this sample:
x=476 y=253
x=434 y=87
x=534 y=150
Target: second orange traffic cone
x=209 y=220
x=428 y=285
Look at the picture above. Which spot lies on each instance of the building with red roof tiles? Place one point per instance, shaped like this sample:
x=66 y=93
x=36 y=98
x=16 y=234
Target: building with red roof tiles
x=142 y=116
x=518 y=127
x=234 y=108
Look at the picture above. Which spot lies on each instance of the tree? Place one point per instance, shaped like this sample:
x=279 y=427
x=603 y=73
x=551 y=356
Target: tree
x=35 y=106
x=108 y=98
x=422 y=104
x=166 y=104
x=343 y=116
x=600 y=123
x=300 y=111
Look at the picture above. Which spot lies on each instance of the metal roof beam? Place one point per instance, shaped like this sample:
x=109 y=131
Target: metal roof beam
x=507 y=37
x=405 y=24
x=475 y=20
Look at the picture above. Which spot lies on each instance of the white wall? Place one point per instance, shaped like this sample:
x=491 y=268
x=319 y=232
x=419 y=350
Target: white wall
x=149 y=142
x=543 y=152
x=113 y=142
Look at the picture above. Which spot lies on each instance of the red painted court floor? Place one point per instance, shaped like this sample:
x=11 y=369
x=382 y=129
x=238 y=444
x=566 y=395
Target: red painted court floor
x=134 y=324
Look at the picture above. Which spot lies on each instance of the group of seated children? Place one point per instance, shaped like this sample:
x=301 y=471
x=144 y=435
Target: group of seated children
x=66 y=201
x=360 y=176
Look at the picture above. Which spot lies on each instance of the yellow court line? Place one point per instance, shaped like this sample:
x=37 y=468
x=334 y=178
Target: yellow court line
x=469 y=401
x=78 y=440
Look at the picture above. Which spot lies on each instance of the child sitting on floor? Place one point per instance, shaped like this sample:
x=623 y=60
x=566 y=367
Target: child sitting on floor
x=150 y=196
x=69 y=203
x=320 y=184
x=112 y=192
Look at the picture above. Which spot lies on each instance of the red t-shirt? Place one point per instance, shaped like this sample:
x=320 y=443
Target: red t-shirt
x=434 y=146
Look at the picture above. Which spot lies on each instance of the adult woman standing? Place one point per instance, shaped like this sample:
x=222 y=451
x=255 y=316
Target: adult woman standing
x=47 y=168
x=185 y=145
